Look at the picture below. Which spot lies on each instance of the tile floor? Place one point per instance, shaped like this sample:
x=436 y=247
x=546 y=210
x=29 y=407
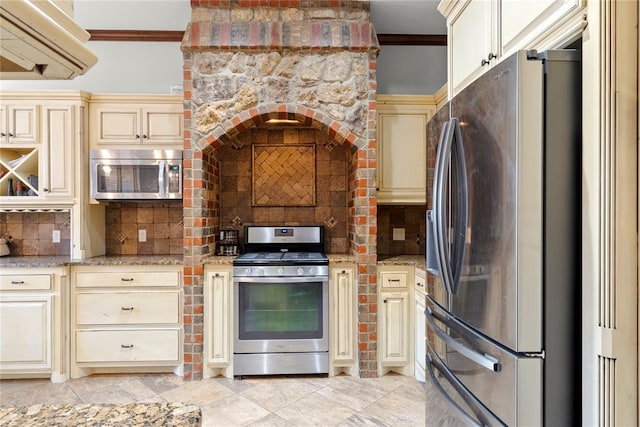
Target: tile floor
x=392 y=400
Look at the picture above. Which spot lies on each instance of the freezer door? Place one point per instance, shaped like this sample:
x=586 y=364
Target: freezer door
x=499 y=383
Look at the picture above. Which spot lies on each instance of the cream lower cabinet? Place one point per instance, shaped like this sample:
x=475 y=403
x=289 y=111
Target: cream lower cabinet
x=33 y=324
x=420 y=325
x=343 y=348
x=218 y=321
x=395 y=320
x=126 y=319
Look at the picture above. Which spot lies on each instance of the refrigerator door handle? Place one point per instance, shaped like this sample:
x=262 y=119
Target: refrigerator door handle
x=439 y=208
x=483 y=359
x=461 y=206
x=483 y=417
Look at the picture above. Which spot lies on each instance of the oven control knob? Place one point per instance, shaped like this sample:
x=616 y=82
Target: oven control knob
x=280 y=270
x=312 y=271
x=300 y=271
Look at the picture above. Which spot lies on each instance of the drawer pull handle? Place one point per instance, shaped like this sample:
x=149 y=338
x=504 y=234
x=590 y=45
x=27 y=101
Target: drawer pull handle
x=394 y=280
x=127 y=308
x=17 y=282
x=126 y=346
x=127 y=280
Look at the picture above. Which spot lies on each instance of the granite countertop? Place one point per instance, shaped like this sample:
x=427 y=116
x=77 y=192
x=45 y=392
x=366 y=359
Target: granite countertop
x=132 y=414
x=418 y=261
x=62 y=261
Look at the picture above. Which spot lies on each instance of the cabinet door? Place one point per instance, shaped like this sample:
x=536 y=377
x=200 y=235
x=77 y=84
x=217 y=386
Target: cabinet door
x=114 y=125
x=343 y=303
x=472 y=38
x=402 y=158
x=25 y=329
x=58 y=164
x=219 y=319
x=22 y=124
x=421 y=336
x=523 y=21
x=162 y=125
x=394 y=345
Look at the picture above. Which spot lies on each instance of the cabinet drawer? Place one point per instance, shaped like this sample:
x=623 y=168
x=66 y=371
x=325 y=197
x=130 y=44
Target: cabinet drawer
x=127 y=308
x=393 y=280
x=86 y=279
x=25 y=282
x=139 y=345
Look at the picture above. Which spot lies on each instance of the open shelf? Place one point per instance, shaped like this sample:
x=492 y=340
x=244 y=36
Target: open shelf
x=19 y=165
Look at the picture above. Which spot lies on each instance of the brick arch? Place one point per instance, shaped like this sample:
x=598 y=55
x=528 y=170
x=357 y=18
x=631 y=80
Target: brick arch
x=254 y=117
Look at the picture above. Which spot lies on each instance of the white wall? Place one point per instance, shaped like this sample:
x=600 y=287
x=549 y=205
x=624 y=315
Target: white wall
x=153 y=67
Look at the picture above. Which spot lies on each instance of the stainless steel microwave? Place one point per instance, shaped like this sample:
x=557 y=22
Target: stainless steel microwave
x=136 y=174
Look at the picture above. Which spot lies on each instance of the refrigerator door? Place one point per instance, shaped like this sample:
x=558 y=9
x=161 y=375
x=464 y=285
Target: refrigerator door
x=499 y=291
x=498 y=386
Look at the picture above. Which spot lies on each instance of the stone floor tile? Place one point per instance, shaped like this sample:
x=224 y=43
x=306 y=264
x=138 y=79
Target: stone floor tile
x=235 y=410
x=201 y=393
x=273 y=395
x=315 y=410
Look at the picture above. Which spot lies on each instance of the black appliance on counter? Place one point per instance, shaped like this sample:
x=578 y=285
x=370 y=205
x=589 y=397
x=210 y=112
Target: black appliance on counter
x=281 y=300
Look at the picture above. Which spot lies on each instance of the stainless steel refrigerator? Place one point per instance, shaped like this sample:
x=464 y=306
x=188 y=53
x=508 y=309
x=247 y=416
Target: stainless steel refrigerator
x=504 y=243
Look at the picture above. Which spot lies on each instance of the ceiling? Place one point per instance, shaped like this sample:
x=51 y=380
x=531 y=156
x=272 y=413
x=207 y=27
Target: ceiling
x=390 y=17
x=407 y=17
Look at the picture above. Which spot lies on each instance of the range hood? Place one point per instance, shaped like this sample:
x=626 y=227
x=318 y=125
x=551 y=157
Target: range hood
x=39 y=41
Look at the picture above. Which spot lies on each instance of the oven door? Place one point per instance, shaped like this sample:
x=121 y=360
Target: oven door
x=281 y=314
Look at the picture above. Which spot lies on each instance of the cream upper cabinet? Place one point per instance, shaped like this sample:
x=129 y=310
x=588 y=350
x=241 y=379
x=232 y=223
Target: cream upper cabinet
x=343 y=350
x=481 y=32
x=19 y=123
x=122 y=120
x=33 y=338
x=472 y=41
x=402 y=153
x=218 y=321
x=41 y=147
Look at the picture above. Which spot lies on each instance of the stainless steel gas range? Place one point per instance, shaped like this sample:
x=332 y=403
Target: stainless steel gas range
x=281 y=300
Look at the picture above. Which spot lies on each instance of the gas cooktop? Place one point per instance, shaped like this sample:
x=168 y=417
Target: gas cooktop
x=282 y=258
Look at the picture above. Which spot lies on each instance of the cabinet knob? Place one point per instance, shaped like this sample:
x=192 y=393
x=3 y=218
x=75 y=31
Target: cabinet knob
x=137 y=136
x=2 y=134
x=384 y=301
x=46 y=190
x=491 y=56
x=144 y=137
x=344 y=271
x=10 y=135
x=217 y=275
x=484 y=62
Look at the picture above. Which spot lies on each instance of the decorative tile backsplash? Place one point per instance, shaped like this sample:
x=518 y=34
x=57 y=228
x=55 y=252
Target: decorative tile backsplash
x=412 y=219
x=162 y=222
x=330 y=173
x=31 y=233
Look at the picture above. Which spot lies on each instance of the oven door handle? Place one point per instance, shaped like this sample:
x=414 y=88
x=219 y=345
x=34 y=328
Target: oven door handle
x=280 y=279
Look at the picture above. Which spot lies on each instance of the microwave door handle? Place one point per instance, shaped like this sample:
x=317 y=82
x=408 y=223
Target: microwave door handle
x=483 y=359
x=431 y=364
x=162 y=173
